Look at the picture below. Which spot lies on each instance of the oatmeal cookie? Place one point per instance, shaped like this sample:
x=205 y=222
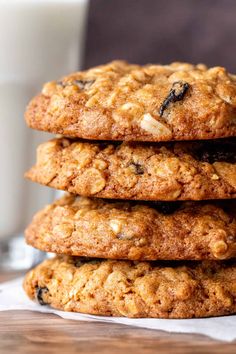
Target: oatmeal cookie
x=121 y=101
x=135 y=231
x=139 y=171
x=135 y=289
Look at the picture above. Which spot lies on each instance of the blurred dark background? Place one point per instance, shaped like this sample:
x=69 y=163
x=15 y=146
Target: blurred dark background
x=161 y=31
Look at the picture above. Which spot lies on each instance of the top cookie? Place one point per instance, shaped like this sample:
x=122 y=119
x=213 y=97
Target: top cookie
x=121 y=101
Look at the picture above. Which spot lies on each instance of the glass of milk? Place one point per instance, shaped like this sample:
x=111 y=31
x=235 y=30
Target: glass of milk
x=40 y=40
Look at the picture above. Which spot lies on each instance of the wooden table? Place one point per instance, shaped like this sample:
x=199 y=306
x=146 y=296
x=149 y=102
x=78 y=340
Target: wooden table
x=29 y=332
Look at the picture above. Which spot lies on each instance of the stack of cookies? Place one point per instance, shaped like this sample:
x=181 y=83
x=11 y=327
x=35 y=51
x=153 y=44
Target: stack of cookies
x=157 y=144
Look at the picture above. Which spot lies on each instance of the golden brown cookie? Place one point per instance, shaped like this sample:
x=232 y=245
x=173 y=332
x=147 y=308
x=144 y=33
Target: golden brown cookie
x=135 y=289
x=171 y=171
x=121 y=101
x=135 y=231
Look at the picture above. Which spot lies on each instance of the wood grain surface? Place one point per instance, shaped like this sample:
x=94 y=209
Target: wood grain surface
x=29 y=332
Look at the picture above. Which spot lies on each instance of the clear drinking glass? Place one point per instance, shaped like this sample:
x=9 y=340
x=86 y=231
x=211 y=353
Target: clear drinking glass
x=40 y=40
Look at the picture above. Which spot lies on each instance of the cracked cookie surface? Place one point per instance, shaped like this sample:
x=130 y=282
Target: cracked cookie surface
x=121 y=101
x=135 y=231
x=171 y=171
x=135 y=289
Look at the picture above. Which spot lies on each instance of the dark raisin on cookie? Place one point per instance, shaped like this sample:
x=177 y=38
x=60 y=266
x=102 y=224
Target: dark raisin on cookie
x=166 y=207
x=176 y=93
x=211 y=152
x=138 y=168
x=82 y=84
x=39 y=293
x=61 y=83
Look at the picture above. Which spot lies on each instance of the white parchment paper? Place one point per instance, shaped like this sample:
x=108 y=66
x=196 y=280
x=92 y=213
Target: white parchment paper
x=12 y=297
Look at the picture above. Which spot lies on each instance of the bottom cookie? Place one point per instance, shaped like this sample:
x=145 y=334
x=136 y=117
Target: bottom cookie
x=135 y=289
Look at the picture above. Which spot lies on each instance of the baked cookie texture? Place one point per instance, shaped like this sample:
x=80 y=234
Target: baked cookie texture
x=121 y=101
x=171 y=171
x=135 y=231
x=135 y=289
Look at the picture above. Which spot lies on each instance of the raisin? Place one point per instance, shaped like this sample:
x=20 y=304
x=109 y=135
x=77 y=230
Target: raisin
x=176 y=93
x=40 y=293
x=166 y=207
x=82 y=84
x=216 y=151
x=138 y=169
x=61 y=83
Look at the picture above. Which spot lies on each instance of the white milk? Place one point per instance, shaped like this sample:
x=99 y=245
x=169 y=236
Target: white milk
x=39 y=41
